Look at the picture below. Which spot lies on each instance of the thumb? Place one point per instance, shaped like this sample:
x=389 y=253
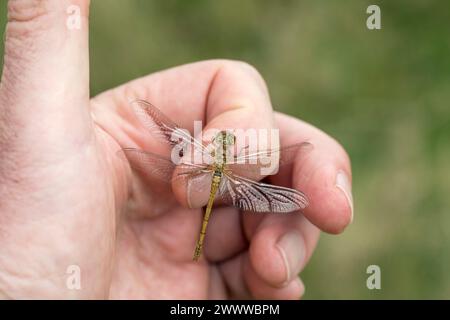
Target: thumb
x=45 y=79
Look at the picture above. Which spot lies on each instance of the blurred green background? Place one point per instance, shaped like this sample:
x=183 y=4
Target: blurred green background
x=384 y=94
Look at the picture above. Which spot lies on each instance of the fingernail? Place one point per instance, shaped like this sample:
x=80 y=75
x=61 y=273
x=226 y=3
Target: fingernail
x=343 y=183
x=292 y=251
x=198 y=189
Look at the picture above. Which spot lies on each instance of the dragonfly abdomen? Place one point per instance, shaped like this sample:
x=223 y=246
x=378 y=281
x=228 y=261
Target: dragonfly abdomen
x=217 y=177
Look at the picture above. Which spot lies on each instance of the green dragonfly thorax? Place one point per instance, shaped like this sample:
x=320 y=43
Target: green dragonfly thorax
x=222 y=142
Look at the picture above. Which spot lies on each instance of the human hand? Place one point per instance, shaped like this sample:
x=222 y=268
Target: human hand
x=67 y=199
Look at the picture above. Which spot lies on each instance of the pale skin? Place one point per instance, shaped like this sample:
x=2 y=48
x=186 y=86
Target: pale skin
x=67 y=199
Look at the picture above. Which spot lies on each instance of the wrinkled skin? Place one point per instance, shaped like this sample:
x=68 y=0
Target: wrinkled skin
x=68 y=199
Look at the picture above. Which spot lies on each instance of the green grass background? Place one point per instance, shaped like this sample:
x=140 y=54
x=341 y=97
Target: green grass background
x=383 y=94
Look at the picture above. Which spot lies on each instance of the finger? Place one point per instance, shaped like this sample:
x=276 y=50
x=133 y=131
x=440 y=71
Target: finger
x=323 y=174
x=259 y=289
x=232 y=272
x=281 y=245
x=225 y=237
x=243 y=282
x=224 y=94
x=238 y=99
x=46 y=67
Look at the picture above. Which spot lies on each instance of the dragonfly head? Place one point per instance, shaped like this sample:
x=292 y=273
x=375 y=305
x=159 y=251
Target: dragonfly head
x=225 y=137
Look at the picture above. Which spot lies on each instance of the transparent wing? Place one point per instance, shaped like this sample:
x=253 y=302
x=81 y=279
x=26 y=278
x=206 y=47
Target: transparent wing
x=249 y=195
x=251 y=163
x=161 y=168
x=161 y=126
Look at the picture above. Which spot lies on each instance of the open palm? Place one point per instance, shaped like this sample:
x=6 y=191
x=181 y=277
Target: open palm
x=68 y=199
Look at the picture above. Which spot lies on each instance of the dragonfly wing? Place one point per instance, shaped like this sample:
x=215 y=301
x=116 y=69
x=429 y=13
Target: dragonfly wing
x=158 y=167
x=266 y=162
x=286 y=155
x=160 y=125
x=249 y=195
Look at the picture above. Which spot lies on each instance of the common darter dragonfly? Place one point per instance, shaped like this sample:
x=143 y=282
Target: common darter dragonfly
x=219 y=164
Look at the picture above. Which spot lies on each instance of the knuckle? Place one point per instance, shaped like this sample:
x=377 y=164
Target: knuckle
x=248 y=71
x=27 y=10
x=246 y=67
x=237 y=65
x=27 y=20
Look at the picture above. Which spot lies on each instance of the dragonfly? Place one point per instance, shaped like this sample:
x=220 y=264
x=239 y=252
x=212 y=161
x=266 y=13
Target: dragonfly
x=219 y=164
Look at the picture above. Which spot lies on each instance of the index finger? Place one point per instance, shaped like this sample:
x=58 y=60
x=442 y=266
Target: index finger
x=223 y=94
x=324 y=174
